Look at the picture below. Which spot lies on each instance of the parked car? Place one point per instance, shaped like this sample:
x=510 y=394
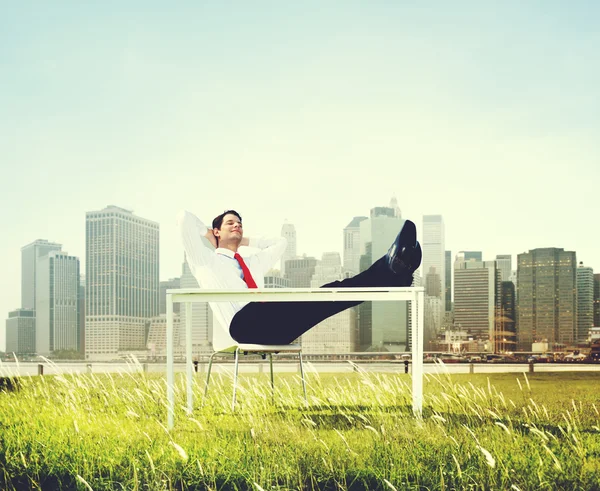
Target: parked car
x=539 y=359
x=575 y=357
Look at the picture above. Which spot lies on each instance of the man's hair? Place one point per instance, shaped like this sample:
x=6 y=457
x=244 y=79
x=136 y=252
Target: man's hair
x=218 y=221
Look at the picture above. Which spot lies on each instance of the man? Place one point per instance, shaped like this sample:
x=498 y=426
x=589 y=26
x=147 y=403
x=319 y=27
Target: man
x=222 y=267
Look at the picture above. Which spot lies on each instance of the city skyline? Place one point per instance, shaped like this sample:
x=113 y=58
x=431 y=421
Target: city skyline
x=485 y=114
x=483 y=254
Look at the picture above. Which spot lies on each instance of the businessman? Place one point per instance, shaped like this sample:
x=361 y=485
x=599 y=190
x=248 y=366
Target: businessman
x=220 y=266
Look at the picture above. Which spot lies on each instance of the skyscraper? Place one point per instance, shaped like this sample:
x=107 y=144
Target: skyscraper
x=289 y=232
x=57 y=303
x=504 y=262
x=163 y=286
x=434 y=255
x=506 y=319
x=202 y=316
x=472 y=255
x=337 y=334
x=81 y=310
x=585 y=302
x=597 y=300
x=273 y=279
x=477 y=296
x=121 y=281
x=386 y=326
x=352 y=246
x=29 y=255
x=394 y=206
x=546 y=297
x=20 y=332
x=448 y=287
x=300 y=271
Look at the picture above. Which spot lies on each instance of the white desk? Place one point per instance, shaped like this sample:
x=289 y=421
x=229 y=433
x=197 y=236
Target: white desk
x=415 y=295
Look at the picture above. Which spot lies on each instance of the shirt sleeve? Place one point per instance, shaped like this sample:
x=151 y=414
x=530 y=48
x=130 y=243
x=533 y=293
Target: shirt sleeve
x=270 y=252
x=193 y=232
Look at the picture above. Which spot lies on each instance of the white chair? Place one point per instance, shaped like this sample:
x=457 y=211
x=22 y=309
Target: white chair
x=224 y=343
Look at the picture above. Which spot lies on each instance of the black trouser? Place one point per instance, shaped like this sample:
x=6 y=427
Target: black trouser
x=283 y=322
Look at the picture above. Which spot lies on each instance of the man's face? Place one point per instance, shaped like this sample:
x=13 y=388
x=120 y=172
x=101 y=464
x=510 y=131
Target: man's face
x=231 y=229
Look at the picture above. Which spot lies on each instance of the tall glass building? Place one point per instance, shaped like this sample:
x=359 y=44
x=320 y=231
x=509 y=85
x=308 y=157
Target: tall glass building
x=546 y=297
x=597 y=300
x=288 y=231
x=448 y=286
x=434 y=255
x=338 y=333
x=57 y=303
x=20 y=332
x=477 y=297
x=383 y=326
x=29 y=256
x=352 y=246
x=585 y=302
x=504 y=262
x=122 y=281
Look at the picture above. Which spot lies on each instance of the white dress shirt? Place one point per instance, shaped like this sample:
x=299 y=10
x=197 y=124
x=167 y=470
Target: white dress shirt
x=217 y=269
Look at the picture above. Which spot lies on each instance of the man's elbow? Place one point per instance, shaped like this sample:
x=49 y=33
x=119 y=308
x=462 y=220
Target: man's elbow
x=182 y=217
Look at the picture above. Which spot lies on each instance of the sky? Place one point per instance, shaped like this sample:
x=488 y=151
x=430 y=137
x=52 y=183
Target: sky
x=487 y=113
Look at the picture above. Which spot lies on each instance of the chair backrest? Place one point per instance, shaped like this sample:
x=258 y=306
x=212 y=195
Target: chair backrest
x=222 y=340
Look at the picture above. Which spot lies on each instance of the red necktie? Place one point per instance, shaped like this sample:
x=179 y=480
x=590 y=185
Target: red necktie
x=247 y=275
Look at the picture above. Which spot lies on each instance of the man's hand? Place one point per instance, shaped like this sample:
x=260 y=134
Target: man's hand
x=211 y=237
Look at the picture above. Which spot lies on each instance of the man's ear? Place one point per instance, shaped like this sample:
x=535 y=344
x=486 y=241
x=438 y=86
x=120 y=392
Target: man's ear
x=216 y=232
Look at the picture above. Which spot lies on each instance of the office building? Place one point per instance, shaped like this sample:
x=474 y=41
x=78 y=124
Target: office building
x=57 y=303
x=477 y=296
x=352 y=251
x=597 y=300
x=122 y=277
x=81 y=311
x=506 y=319
x=417 y=281
x=448 y=279
x=546 y=298
x=383 y=325
x=338 y=333
x=504 y=262
x=434 y=255
x=29 y=256
x=288 y=231
x=300 y=271
x=202 y=317
x=273 y=279
x=163 y=286
x=20 y=332
x=472 y=255
x=585 y=302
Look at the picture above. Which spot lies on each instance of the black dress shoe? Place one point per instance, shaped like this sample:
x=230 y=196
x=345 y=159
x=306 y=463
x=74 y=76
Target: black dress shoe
x=404 y=256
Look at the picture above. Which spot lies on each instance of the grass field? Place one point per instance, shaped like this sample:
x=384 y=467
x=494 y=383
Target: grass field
x=501 y=431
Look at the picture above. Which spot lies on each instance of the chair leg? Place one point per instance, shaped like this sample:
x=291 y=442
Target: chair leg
x=302 y=376
x=210 y=362
x=235 y=376
x=272 y=376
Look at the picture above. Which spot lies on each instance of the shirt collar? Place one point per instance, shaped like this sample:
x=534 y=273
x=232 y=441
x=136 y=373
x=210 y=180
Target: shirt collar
x=225 y=252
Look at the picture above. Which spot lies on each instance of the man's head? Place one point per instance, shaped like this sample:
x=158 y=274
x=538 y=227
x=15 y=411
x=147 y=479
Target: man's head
x=227 y=228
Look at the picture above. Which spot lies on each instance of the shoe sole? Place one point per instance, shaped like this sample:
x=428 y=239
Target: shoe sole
x=407 y=238
x=408 y=234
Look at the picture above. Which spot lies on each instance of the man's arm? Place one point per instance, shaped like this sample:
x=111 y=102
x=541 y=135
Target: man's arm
x=271 y=250
x=192 y=232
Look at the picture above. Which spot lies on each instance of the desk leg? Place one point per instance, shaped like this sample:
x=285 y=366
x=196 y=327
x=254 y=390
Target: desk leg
x=188 y=357
x=417 y=352
x=170 y=367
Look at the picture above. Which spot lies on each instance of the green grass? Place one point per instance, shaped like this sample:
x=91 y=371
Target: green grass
x=501 y=431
